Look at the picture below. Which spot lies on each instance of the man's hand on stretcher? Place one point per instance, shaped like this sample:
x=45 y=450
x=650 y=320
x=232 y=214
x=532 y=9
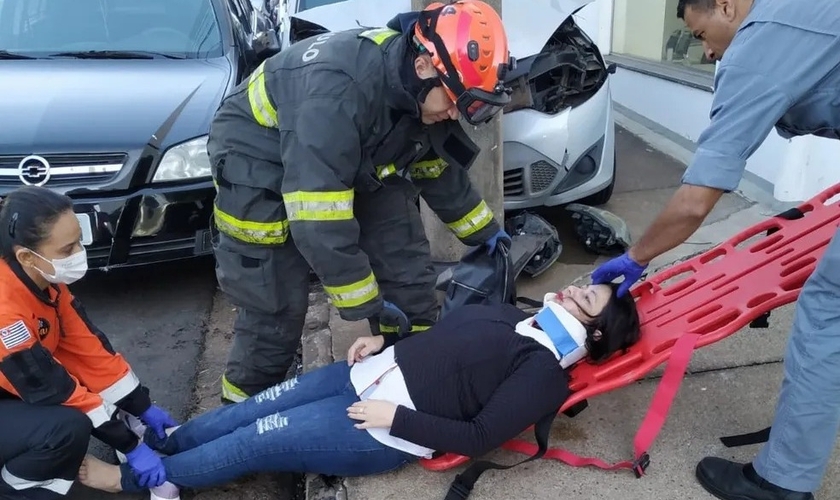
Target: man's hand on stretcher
x=364 y=347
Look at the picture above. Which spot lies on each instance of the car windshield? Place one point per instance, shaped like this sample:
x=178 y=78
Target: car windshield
x=109 y=28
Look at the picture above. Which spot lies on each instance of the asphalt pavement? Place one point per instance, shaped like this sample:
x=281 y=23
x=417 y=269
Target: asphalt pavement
x=156 y=317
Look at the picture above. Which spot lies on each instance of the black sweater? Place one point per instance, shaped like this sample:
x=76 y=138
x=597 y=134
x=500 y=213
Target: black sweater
x=476 y=383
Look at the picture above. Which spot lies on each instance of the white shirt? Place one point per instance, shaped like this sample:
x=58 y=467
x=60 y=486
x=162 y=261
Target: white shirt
x=379 y=377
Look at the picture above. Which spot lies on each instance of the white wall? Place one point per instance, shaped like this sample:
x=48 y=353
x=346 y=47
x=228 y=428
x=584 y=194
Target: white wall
x=798 y=169
x=685 y=111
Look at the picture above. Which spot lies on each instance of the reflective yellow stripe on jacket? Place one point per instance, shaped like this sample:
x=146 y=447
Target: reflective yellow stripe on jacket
x=429 y=169
x=319 y=206
x=261 y=233
x=383 y=171
x=395 y=329
x=261 y=106
x=354 y=294
x=378 y=35
x=476 y=220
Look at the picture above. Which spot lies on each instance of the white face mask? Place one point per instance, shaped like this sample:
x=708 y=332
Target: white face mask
x=67 y=270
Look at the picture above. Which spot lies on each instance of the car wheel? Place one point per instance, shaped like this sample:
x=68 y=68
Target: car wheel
x=604 y=195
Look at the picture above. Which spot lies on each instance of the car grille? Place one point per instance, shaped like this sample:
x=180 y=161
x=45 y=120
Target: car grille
x=542 y=174
x=60 y=169
x=514 y=183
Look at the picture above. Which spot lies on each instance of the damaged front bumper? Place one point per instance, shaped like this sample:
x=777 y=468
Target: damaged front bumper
x=559 y=138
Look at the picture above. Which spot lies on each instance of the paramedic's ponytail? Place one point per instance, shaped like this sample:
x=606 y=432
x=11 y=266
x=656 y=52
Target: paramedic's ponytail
x=27 y=215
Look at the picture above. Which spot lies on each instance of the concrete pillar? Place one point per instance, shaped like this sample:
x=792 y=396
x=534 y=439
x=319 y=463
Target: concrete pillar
x=486 y=174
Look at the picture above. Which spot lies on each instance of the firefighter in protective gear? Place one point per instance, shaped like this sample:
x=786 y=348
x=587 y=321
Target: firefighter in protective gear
x=60 y=379
x=320 y=158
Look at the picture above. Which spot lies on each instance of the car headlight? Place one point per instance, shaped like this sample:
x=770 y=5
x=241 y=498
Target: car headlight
x=188 y=160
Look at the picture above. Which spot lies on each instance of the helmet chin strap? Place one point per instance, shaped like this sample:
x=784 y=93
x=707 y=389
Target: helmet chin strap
x=416 y=86
x=426 y=86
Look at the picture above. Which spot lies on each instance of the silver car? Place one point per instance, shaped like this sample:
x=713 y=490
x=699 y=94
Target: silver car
x=558 y=131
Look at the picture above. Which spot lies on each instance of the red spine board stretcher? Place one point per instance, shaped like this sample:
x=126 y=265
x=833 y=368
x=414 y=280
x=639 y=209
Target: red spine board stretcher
x=720 y=291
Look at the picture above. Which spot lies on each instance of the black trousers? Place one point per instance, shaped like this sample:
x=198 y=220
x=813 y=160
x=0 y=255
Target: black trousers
x=272 y=298
x=41 y=449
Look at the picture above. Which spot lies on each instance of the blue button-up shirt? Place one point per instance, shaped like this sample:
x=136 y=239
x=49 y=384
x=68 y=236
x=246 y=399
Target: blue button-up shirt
x=782 y=70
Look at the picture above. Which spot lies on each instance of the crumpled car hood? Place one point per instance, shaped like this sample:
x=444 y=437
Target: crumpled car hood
x=529 y=23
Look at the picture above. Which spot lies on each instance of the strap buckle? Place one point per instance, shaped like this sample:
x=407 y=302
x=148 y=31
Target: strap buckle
x=641 y=464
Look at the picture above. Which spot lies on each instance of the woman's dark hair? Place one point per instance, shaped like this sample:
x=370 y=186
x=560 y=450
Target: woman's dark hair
x=619 y=325
x=27 y=216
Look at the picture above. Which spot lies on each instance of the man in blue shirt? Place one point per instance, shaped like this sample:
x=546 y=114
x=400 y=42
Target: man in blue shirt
x=779 y=68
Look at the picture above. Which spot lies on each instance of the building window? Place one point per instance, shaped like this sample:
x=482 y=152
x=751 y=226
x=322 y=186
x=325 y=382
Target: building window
x=651 y=30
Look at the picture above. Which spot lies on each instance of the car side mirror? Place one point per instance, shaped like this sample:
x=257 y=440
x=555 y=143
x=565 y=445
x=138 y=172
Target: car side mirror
x=266 y=43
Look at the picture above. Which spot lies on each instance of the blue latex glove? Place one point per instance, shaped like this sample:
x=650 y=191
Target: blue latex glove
x=158 y=420
x=619 y=266
x=393 y=317
x=146 y=466
x=494 y=240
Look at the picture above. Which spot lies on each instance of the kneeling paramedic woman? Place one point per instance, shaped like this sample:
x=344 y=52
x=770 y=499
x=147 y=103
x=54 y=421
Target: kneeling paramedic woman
x=319 y=158
x=60 y=379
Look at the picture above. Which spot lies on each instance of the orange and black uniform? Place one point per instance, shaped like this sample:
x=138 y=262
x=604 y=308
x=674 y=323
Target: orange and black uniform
x=60 y=383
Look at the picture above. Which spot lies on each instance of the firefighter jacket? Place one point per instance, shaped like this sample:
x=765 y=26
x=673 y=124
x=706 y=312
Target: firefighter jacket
x=51 y=354
x=322 y=122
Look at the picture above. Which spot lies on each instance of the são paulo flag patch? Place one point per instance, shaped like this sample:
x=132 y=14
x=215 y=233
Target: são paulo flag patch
x=14 y=335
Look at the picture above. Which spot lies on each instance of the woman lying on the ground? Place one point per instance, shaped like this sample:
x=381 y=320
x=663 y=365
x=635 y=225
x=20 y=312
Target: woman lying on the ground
x=475 y=380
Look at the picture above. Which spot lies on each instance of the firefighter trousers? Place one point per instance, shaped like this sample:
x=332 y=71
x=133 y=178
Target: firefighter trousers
x=41 y=449
x=269 y=285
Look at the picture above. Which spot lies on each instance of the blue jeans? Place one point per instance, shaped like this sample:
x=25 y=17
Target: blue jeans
x=298 y=426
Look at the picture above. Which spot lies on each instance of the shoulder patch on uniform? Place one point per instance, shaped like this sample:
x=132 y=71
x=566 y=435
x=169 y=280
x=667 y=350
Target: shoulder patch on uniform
x=15 y=334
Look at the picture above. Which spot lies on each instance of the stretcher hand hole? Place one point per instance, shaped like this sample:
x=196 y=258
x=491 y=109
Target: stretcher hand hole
x=706 y=298
x=702 y=313
x=756 y=238
x=757 y=301
x=768 y=241
x=808 y=262
x=712 y=256
x=716 y=323
x=616 y=367
x=678 y=284
x=795 y=283
x=833 y=199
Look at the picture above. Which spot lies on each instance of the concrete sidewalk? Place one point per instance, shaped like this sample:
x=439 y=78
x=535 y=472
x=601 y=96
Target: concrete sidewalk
x=731 y=386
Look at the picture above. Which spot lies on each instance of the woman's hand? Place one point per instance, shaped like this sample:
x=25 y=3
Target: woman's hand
x=372 y=413
x=364 y=347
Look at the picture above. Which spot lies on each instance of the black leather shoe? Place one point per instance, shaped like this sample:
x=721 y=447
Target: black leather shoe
x=733 y=481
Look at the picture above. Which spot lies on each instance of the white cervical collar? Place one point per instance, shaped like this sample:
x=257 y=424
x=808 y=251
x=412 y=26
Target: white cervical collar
x=563 y=334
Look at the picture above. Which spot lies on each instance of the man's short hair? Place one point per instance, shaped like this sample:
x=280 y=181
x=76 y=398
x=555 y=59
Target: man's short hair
x=703 y=5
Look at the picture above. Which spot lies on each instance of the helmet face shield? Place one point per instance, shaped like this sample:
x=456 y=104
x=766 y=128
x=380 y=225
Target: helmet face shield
x=479 y=107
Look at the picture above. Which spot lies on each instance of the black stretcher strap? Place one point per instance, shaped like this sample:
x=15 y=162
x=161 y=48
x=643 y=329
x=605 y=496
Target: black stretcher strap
x=463 y=484
x=529 y=301
x=756 y=437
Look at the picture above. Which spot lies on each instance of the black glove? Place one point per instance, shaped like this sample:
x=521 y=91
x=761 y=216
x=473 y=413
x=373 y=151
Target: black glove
x=393 y=321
